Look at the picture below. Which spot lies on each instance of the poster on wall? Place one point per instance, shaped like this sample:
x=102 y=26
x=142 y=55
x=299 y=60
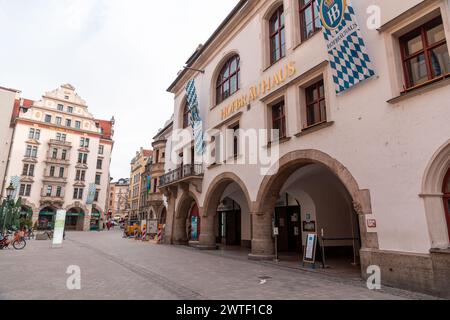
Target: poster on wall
x=58 y=234
x=194 y=232
x=349 y=60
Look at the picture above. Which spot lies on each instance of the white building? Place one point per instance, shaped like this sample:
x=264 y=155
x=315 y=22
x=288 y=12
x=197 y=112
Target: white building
x=367 y=170
x=7 y=101
x=60 y=159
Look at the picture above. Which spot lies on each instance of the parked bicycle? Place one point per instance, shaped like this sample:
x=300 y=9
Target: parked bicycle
x=18 y=241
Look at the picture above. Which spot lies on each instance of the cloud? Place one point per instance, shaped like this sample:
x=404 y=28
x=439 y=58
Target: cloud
x=121 y=55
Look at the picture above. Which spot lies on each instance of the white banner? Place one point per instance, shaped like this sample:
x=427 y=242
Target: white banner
x=58 y=233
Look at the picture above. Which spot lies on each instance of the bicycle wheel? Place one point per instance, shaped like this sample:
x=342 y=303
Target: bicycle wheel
x=19 y=244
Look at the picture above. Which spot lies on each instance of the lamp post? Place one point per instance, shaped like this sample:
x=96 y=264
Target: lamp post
x=7 y=207
x=9 y=192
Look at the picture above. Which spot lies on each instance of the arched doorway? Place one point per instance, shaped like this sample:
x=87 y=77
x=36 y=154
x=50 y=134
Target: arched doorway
x=187 y=221
x=446 y=191
x=74 y=220
x=227 y=221
x=46 y=219
x=96 y=217
x=329 y=203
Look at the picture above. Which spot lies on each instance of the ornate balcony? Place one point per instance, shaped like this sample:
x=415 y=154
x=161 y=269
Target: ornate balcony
x=60 y=143
x=182 y=174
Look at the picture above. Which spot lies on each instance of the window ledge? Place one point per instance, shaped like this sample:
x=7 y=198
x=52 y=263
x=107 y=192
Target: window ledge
x=302 y=42
x=314 y=128
x=281 y=141
x=421 y=90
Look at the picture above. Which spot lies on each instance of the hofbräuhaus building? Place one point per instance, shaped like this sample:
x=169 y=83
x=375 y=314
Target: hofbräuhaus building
x=344 y=136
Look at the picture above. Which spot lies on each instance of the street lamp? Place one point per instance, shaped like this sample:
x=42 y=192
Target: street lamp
x=10 y=191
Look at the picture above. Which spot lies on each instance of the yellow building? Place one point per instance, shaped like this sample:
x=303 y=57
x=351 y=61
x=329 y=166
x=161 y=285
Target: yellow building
x=137 y=169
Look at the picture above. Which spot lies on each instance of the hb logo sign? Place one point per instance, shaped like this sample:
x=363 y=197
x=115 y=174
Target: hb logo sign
x=332 y=13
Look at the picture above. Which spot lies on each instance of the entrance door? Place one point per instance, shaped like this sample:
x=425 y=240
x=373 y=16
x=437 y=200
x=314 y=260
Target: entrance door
x=233 y=228
x=71 y=223
x=446 y=190
x=287 y=219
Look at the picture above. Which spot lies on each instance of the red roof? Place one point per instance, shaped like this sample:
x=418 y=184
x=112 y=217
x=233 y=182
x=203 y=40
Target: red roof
x=26 y=103
x=148 y=153
x=107 y=128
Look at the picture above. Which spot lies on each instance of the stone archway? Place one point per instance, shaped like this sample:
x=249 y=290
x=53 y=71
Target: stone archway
x=212 y=201
x=432 y=195
x=180 y=226
x=262 y=243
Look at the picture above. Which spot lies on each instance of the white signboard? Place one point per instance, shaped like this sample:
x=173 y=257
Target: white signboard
x=58 y=233
x=152 y=227
x=310 y=249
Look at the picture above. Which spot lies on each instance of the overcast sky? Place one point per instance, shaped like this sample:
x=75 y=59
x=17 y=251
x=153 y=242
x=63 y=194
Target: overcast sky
x=121 y=56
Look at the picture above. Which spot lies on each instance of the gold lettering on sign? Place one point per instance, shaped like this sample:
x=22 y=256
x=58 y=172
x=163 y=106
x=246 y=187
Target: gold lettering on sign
x=263 y=87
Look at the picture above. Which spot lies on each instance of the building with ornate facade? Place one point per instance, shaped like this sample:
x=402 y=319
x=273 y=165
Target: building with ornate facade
x=367 y=170
x=119 y=193
x=59 y=159
x=137 y=169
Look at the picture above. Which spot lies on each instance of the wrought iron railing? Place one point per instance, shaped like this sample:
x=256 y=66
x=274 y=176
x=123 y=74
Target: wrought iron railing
x=182 y=172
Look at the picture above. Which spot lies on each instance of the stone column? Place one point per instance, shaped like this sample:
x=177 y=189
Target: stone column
x=263 y=244
x=207 y=233
x=170 y=219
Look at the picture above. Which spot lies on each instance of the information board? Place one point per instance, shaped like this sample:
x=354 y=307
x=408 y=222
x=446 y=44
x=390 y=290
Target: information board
x=58 y=233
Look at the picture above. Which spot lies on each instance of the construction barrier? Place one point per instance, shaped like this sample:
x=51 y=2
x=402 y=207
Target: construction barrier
x=159 y=235
x=144 y=234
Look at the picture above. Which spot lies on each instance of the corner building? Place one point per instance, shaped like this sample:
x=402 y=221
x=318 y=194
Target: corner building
x=367 y=170
x=59 y=159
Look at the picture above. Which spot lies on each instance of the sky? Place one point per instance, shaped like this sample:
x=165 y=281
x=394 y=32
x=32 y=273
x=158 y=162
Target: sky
x=120 y=55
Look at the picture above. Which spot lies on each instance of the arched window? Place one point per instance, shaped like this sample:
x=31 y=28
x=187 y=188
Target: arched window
x=186 y=114
x=228 y=79
x=446 y=191
x=277 y=36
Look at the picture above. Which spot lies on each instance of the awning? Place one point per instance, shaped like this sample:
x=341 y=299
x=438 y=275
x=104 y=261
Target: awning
x=47 y=213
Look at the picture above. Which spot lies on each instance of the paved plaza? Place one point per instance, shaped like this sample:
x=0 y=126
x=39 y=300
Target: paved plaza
x=116 y=268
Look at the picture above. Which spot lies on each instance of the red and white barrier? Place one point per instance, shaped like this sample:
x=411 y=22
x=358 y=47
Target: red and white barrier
x=144 y=234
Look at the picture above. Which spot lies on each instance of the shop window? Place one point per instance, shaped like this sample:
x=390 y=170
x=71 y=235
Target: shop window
x=228 y=80
x=315 y=104
x=309 y=18
x=425 y=55
x=277 y=36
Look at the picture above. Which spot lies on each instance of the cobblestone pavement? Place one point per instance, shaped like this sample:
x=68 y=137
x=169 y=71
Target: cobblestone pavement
x=116 y=268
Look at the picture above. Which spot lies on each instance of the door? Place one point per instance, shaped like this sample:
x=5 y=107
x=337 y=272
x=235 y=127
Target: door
x=446 y=191
x=233 y=228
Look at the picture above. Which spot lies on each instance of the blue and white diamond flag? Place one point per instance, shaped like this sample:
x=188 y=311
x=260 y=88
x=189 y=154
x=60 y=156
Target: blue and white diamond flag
x=15 y=181
x=346 y=48
x=91 y=193
x=196 y=121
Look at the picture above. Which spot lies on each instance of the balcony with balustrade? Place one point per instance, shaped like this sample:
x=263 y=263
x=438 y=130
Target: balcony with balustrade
x=185 y=173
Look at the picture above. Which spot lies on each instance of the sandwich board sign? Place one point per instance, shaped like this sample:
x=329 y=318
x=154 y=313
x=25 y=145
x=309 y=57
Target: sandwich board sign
x=58 y=233
x=309 y=255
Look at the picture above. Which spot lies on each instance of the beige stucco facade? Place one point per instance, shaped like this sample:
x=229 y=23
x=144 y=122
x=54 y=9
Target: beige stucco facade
x=49 y=137
x=7 y=99
x=377 y=163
